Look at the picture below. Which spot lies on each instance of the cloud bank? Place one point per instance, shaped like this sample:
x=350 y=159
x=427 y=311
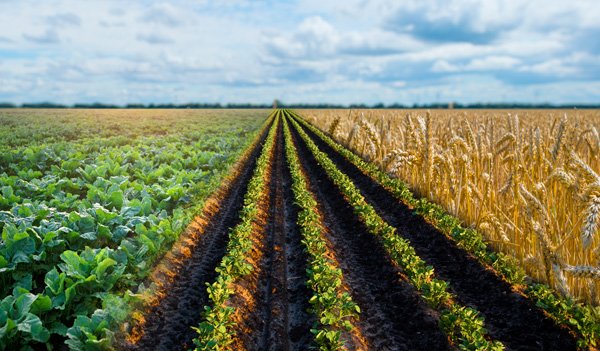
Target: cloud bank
x=300 y=51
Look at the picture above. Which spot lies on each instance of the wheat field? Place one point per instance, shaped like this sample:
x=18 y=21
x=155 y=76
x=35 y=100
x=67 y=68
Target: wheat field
x=527 y=179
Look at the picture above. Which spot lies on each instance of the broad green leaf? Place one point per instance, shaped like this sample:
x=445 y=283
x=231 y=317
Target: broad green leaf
x=7 y=192
x=23 y=303
x=74 y=265
x=55 y=281
x=130 y=211
x=49 y=237
x=85 y=223
x=104 y=232
x=58 y=328
x=146 y=206
x=91 y=236
x=103 y=266
x=70 y=165
x=33 y=325
x=116 y=199
x=3 y=262
x=23 y=280
x=43 y=303
x=7 y=328
x=119 y=233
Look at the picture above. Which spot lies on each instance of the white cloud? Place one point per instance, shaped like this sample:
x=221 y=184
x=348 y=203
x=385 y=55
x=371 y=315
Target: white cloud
x=313 y=38
x=444 y=66
x=164 y=14
x=568 y=66
x=317 y=39
x=492 y=63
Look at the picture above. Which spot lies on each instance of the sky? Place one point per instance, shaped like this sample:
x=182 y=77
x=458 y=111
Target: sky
x=304 y=51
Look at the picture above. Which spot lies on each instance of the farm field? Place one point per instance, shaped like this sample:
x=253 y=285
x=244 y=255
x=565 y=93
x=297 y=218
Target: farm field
x=260 y=230
x=89 y=201
x=526 y=179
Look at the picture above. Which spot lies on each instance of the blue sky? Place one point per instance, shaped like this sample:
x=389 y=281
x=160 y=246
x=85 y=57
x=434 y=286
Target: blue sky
x=300 y=51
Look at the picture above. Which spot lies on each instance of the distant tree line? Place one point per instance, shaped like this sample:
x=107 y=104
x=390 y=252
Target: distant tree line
x=502 y=105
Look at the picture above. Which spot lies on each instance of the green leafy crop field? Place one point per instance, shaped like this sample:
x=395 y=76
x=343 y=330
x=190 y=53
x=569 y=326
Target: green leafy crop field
x=89 y=199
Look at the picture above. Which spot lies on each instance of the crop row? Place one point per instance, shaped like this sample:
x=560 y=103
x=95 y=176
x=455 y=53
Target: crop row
x=582 y=319
x=216 y=331
x=333 y=307
x=82 y=224
x=463 y=325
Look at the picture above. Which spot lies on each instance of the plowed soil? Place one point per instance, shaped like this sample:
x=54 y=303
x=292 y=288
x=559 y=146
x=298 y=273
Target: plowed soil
x=272 y=305
x=287 y=321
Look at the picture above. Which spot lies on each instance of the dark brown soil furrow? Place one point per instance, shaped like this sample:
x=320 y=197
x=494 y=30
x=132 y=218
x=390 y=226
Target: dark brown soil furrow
x=280 y=320
x=393 y=316
x=295 y=262
x=168 y=325
x=274 y=309
x=289 y=292
x=510 y=317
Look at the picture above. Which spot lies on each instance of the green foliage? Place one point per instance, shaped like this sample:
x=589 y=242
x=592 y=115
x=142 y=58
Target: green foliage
x=19 y=320
x=91 y=333
x=466 y=325
x=216 y=332
x=582 y=318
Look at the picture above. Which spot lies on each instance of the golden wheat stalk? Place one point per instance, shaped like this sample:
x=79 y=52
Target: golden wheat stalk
x=583 y=271
x=333 y=126
x=590 y=223
x=559 y=138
